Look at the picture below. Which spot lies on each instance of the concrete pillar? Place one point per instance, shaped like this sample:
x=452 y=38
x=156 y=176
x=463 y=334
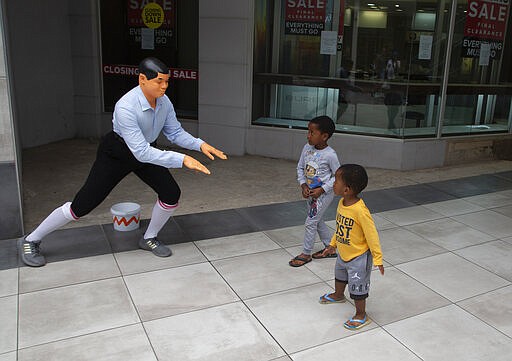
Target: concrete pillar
x=11 y=221
x=225 y=57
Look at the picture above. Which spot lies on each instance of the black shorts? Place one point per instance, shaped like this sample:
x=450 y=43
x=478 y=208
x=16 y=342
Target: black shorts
x=114 y=161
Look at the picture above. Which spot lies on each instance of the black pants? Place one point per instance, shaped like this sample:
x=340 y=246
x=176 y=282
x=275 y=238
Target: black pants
x=114 y=161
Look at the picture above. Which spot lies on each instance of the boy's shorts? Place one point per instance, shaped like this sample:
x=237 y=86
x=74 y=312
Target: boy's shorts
x=356 y=273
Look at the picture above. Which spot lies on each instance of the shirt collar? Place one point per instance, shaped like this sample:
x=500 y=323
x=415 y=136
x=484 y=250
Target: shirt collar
x=144 y=104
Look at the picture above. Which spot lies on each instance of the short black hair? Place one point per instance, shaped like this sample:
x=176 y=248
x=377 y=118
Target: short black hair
x=354 y=176
x=325 y=124
x=150 y=67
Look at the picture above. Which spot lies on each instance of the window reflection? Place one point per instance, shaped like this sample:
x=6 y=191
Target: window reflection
x=386 y=76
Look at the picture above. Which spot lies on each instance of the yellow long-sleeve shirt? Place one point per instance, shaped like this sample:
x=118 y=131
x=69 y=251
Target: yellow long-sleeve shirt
x=356 y=232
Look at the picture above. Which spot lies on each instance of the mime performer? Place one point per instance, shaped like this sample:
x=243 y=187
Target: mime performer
x=139 y=117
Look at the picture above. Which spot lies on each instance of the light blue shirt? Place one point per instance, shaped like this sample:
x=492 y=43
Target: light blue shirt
x=317 y=167
x=139 y=125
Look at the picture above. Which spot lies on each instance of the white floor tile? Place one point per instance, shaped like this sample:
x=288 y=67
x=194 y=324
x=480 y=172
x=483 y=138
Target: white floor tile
x=289 y=236
x=138 y=261
x=453 y=207
x=263 y=273
x=396 y=296
x=452 y=276
x=64 y=273
x=382 y=223
x=367 y=346
x=177 y=290
x=9 y=323
x=58 y=313
x=400 y=245
x=490 y=200
x=410 y=215
x=8 y=282
x=323 y=268
x=9 y=356
x=489 y=222
x=298 y=321
x=494 y=256
x=224 y=247
x=506 y=210
x=451 y=333
x=223 y=333
x=494 y=308
x=126 y=343
x=449 y=233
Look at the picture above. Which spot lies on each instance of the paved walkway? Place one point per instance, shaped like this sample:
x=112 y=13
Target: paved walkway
x=227 y=293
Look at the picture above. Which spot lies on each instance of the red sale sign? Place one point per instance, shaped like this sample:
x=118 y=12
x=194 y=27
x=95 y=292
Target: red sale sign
x=486 y=25
x=305 y=10
x=305 y=17
x=486 y=19
x=135 y=13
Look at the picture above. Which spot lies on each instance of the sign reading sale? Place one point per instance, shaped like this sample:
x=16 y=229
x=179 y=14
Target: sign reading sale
x=486 y=22
x=486 y=19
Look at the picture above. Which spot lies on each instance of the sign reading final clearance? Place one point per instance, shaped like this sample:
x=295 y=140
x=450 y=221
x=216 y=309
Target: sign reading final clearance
x=486 y=23
x=305 y=17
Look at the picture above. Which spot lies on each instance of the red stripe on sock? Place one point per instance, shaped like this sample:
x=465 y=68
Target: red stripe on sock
x=167 y=206
x=73 y=214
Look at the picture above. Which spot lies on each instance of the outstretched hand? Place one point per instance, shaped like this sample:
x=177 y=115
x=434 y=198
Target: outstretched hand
x=194 y=164
x=381 y=269
x=210 y=151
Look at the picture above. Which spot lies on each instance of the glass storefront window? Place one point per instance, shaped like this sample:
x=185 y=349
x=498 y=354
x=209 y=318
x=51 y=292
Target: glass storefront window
x=381 y=75
x=479 y=86
x=134 y=29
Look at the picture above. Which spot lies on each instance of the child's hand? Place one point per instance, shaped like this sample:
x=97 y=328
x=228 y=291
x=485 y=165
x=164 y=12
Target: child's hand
x=329 y=250
x=317 y=192
x=381 y=269
x=305 y=190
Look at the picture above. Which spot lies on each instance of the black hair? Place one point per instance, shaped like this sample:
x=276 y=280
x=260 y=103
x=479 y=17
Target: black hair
x=324 y=123
x=354 y=176
x=150 y=67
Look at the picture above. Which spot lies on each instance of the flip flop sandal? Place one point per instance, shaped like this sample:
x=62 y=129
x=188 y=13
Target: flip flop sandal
x=301 y=259
x=325 y=300
x=319 y=255
x=365 y=321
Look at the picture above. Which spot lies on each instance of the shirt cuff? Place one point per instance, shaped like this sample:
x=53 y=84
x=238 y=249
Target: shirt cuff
x=179 y=159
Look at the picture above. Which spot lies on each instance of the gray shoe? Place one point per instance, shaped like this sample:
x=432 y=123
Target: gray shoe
x=155 y=246
x=30 y=253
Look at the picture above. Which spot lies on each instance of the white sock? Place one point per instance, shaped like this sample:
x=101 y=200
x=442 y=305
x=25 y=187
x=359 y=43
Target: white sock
x=161 y=214
x=58 y=218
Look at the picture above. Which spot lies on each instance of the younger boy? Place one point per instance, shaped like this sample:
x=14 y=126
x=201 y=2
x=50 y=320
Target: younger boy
x=357 y=241
x=315 y=173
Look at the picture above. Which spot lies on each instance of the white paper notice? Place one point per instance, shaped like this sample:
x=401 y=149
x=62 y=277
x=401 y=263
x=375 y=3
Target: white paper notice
x=485 y=53
x=147 y=36
x=425 y=48
x=328 y=41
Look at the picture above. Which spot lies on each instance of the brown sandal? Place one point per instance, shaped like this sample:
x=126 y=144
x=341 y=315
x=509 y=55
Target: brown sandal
x=300 y=259
x=320 y=254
